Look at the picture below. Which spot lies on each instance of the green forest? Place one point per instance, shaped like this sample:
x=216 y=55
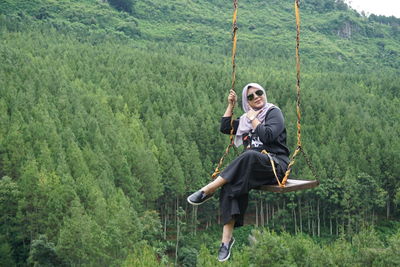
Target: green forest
x=110 y=113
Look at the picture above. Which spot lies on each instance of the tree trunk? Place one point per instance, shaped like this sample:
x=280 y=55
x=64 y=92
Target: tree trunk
x=176 y=209
x=165 y=220
x=256 y=213
x=195 y=220
x=388 y=209
x=295 y=221
x=177 y=232
x=300 y=216
x=324 y=218
x=330 y=226
x=309 y=217
x=261 y=213
x=188 y=206
x=337 y=226
x=343 y=222
x=192 y=221
x=284 y=208
x=349 y=223
x=373 y=218
x=267 y=211
x=318 y=220
x=273 y=215
x=312 y=220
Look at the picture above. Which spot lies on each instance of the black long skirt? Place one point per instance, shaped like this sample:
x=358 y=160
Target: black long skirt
x=248 y=171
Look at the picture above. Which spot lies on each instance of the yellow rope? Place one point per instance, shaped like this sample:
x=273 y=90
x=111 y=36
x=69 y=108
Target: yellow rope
x=273 y=167
x=234 y=40
x=299 y=148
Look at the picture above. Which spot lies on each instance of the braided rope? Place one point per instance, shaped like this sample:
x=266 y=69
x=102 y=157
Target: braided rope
x=234 y=41
x=298 y=148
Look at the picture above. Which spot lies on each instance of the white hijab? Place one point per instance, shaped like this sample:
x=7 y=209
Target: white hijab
x=245 y=125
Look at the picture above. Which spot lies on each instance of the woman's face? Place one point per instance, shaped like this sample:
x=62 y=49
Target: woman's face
x=256 y=98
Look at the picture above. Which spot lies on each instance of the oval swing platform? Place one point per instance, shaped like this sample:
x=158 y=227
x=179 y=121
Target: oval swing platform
x=290 y=186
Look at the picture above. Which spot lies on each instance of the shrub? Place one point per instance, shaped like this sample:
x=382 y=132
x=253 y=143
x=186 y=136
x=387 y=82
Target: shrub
x=122 y=5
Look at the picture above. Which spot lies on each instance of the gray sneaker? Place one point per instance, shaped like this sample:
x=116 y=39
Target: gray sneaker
x=198 y=198
x=225 y=252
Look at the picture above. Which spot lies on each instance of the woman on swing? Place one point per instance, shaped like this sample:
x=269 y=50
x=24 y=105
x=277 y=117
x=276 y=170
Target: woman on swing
x=260 y=128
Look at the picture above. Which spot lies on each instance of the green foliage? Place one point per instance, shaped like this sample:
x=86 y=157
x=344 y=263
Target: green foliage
x=397 y=197
x=369 y=247
x=142 y=257
x=204 y=258
x=109 y=119
x=188 y=256
x=43 y=253
x=392 y=257
x=306 y=252
x=275 y=246
x=81 y=239
x=238 y=258
x=151 y=227
x=9 y=198
x=269 y=248
x=123 y=5
x=6 y=255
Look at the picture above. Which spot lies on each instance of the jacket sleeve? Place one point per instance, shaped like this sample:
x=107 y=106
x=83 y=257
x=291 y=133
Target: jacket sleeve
x=226 y=125
x=272 y=127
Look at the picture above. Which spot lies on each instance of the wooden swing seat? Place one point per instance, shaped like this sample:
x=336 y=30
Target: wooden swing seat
x=290 y=186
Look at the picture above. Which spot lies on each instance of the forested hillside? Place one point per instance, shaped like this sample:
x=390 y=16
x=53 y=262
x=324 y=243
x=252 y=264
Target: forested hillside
x=109 y=118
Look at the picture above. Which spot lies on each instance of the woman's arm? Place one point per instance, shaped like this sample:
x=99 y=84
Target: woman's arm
x=226 y=125
x=232 y=99
x=229 y=110
x=226 y=118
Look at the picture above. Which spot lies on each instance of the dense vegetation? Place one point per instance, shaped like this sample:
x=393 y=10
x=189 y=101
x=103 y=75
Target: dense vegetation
x=109 y=117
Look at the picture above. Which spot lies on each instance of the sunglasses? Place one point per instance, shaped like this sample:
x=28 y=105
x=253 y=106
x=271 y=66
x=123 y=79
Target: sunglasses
x=258 y=93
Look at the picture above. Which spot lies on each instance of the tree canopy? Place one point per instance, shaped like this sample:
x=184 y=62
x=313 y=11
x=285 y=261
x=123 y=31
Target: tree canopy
x=109 y=117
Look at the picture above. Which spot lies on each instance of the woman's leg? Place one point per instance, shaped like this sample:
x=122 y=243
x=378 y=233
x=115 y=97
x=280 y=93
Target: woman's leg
x=214 y=185
x=224 y=251
x=227 y=232
x=205 y=193
x=239 y=169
